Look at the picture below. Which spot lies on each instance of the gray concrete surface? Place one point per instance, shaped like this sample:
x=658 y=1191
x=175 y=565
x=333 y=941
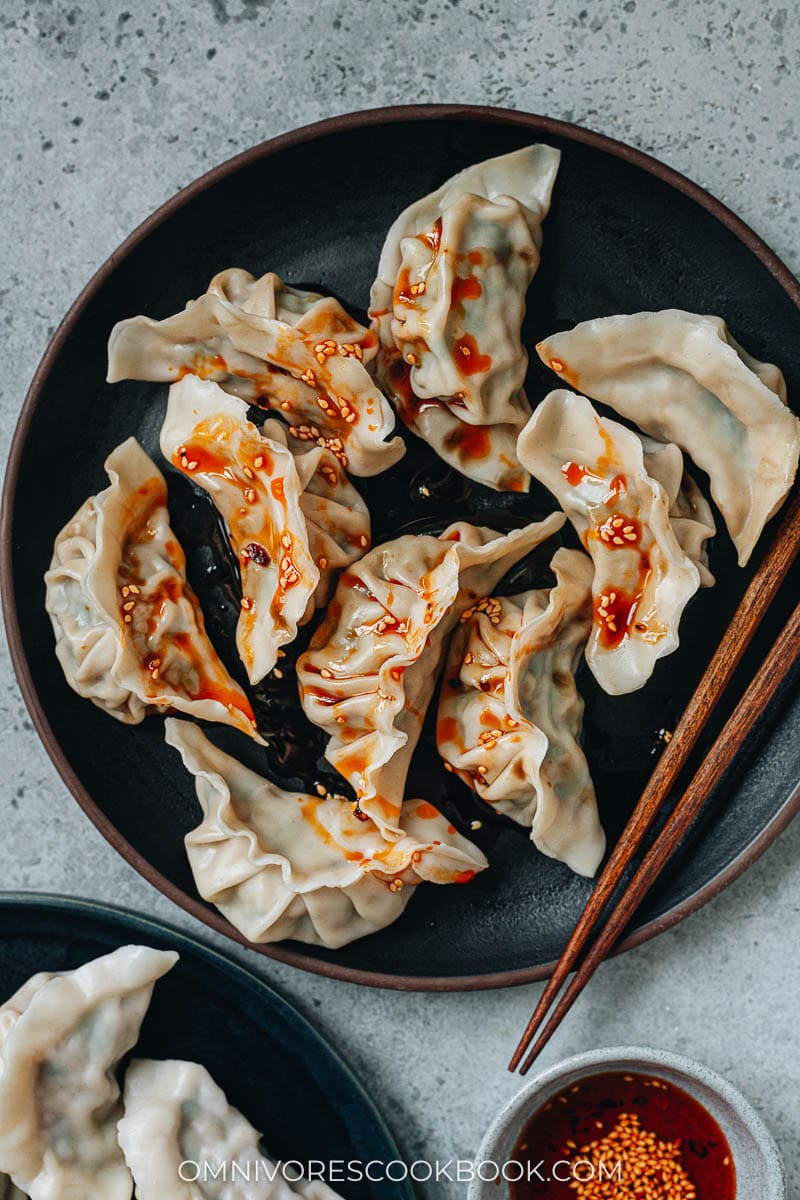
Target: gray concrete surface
x=109 y=107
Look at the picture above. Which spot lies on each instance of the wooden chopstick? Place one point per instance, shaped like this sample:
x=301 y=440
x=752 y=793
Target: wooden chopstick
x=783 y=655
x=748 y=616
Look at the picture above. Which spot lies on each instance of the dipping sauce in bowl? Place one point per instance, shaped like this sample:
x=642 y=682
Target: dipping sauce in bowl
x=623 y=1136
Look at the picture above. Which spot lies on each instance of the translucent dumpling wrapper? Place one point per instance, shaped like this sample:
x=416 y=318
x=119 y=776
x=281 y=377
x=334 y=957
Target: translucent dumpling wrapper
x=643 y=579
x=689 y=512
x=183 y=1140
x=256 y=485
x=296 y=352
x=61 y=1038
x=682 y=378
x=281 y=865
x=311 y=313
x=448 y=305
x=510 y=715
x=371 y=669
x=130 y=635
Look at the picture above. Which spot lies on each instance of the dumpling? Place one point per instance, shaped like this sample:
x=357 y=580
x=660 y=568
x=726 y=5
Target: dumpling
x=255 y=487
x=682 y=378
x=371 y=669
x=643 y=579
x=255 y=484
x=510 y=715
x=689 y=512
x=184 y=1141
x=130 y=635
x=448 y=305
x=292 y=351
x=282 y=865
x=61 y=1038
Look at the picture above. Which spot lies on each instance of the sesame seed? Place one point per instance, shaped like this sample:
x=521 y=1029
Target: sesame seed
x=648 y=1168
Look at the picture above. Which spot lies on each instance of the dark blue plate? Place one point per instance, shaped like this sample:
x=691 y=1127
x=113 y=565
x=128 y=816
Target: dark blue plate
x=270 y=1062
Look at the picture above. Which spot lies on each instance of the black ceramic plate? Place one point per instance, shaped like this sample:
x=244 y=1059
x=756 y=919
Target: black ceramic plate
x=625 y=233
x=269 y=1061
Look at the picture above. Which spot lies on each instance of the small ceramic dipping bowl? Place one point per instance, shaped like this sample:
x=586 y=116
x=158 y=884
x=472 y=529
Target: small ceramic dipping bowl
x=759 y=1168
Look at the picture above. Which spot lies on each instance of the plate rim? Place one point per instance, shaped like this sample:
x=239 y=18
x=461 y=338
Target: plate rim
x=144 y=926
x=539 y=125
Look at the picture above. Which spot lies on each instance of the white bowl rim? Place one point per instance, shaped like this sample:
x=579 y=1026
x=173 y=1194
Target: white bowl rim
x=643 y=1058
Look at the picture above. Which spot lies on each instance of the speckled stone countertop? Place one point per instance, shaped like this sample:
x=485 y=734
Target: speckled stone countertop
x=107 y=109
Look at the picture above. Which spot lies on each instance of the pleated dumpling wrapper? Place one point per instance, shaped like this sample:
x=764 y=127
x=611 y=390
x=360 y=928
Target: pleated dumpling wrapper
x=284 y=865
x=690 y=513
x=371 y=669
x=643 y=579
x=448 y=304
x=296 y=352
x=259 y=488
x=130 y=635
x=61 y=1038
x=183 y=1140
x=336 y=514
x=682 y=378
x=510 y=715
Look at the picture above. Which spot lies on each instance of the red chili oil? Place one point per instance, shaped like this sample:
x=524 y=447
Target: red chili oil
x=590 y=1110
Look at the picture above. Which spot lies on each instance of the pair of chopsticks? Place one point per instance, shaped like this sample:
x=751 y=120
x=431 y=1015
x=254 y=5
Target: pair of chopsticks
x=779 y=661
